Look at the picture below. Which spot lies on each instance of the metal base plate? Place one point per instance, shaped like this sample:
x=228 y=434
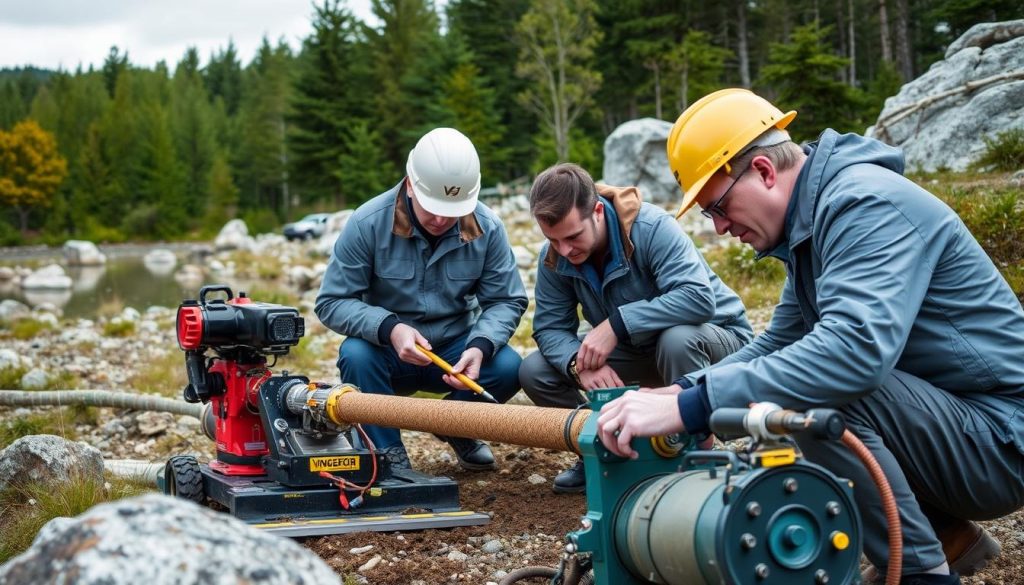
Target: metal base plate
x=406 y=500
x=370 y=523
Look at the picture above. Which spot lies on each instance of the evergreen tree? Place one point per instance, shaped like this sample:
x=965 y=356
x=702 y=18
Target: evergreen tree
x=94 y=193
x=12 y=109
x=223 y=202
x=409 y=63
x=263 y=150
x=806 y=76
x=223 y=77
x=193 y=133
x=468 y=105
x=331 y=91
x=481 y=29
x=698 y=67
x=360 y=166
x=114 y=65
x=162 y=212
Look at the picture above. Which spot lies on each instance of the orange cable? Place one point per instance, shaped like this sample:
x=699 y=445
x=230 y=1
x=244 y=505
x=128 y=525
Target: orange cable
x=892 y=512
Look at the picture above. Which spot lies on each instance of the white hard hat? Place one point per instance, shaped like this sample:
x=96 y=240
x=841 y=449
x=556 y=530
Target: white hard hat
x=444 y=170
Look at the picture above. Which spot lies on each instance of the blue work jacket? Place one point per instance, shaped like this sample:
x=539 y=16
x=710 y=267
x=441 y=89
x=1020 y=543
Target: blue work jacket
x=655 y=278
x=882 y=276
x=382 y=266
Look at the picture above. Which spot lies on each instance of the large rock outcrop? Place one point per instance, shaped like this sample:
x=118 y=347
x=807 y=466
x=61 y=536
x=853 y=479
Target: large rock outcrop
x=634 y=154
x=157 y=540
x=940 y=119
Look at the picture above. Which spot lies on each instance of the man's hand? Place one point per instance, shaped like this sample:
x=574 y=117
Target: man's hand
x=404 y=339
x=637 y=414
x=603 y=377
x=468 y=365
x=597 y=345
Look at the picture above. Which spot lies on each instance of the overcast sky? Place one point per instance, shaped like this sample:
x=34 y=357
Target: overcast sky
x=66 y=33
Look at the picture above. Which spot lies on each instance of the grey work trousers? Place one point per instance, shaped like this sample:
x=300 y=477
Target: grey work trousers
x=941 y=457
x=681 y=349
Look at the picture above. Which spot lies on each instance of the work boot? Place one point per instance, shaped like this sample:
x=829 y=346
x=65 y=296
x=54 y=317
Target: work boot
x=968 y=548
x=571 y=481
x=397 y=457
x=473 y=455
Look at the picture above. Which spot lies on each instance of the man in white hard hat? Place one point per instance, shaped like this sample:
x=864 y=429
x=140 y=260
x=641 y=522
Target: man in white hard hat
x=426 y=263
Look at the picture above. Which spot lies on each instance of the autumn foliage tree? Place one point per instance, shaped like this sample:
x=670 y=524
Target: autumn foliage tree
x=31 y=168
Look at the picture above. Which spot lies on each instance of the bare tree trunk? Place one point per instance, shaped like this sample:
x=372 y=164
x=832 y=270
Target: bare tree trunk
x=841 y=29
x=741 y=42
x=23 y=216
x=283 y=157
x=654 y=66
x=904 y=59
x=883 y=31
x=853 y=45
x=684 y=87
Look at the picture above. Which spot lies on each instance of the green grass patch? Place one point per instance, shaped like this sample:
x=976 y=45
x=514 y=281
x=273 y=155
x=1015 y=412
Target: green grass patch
x=310 y=355
x=28 y=328
x=757 y=282
x=25 y=508
x=1004 y=152
x=10 y=378
x=55 y=421
x=995 y=216
x=164 y=375
x=111 y=307
x=277 y=297
x=118 y=328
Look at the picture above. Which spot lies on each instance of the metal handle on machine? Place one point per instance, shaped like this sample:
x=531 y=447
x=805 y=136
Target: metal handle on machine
x=695 y=458
x=214 y=288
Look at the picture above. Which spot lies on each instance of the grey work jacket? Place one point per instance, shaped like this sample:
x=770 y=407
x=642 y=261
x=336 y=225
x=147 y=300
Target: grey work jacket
x=656 y=278
x=882 y=276
x=382 y=266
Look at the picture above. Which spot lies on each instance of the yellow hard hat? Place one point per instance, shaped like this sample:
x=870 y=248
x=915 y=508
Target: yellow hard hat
x=712 y=131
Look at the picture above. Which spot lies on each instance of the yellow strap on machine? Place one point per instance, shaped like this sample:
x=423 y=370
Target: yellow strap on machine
x=775 y=457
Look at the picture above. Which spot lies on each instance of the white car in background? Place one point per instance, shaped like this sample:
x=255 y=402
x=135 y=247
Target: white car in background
x=311 y=226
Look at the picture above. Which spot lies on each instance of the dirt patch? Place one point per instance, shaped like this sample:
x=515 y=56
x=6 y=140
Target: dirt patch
x=528 y=520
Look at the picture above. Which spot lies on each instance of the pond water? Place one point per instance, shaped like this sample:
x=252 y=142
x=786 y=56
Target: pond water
x=125 y=279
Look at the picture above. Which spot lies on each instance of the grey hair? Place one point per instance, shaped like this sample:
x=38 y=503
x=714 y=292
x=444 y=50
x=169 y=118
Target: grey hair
x=775 y=144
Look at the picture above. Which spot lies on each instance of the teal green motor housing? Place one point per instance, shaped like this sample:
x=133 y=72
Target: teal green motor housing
x=691 y=517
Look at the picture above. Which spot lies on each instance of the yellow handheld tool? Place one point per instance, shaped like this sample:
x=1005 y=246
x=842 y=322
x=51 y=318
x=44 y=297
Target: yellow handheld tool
x=461 y=377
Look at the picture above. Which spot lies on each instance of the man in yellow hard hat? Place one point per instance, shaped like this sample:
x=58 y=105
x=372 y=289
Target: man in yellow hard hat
x=891 y=313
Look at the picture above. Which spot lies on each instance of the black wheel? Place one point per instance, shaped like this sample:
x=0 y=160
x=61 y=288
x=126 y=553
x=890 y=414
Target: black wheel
x=182 y=479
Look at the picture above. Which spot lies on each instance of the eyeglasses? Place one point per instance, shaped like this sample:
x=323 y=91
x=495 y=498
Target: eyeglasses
x=715 y=209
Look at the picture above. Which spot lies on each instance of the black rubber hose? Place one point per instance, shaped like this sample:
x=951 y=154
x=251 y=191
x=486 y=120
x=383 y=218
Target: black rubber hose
x=528 y=573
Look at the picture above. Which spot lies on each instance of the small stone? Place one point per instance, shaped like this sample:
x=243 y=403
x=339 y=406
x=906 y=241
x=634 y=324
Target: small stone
x=457 y=556
x=492 y=546
x=370 y=564
x=536 y=479
x=360 y=550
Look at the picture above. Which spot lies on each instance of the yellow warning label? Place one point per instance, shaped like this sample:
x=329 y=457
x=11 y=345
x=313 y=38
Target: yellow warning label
x=344 y=463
